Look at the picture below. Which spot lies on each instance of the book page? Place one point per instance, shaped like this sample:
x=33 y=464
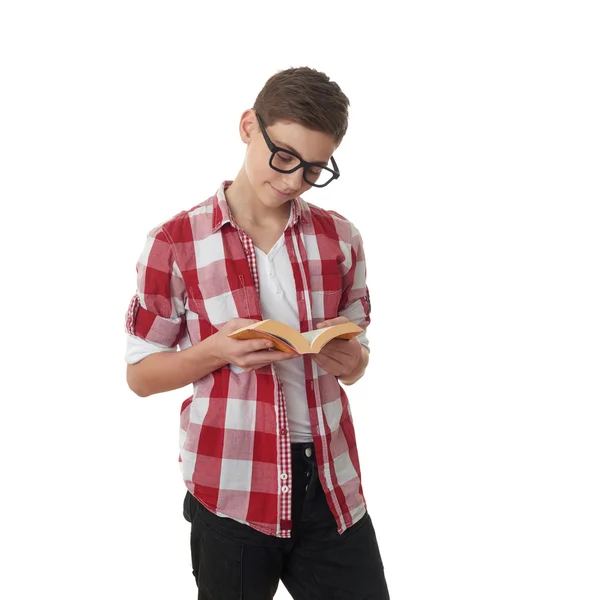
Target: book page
x=310 y=336
x=319 y=337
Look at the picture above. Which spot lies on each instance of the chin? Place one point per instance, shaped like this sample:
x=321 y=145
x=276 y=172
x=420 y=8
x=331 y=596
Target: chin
x=273 y=198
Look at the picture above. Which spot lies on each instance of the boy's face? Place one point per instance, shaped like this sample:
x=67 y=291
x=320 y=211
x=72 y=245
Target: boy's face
x=271 y=187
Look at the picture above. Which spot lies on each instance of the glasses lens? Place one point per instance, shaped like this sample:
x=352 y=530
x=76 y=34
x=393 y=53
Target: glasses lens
x=285 y=161
x=318 y=176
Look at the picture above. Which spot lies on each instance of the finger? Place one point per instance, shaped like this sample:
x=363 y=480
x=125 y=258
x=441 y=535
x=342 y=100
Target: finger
x=327 y=364
x=257 y=367
x=288 y=356
x=248 y=346
x=327 y=323
x=337 y=353
x=267 y=356
x=330 y=322
x=330 y=357
x=270 y=362
x=351 y=346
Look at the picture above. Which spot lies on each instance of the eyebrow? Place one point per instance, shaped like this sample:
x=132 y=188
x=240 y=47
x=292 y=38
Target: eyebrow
x=288 y=147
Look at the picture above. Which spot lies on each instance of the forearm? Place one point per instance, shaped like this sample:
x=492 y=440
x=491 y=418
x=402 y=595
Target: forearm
x=359 y=370
x=166 y=371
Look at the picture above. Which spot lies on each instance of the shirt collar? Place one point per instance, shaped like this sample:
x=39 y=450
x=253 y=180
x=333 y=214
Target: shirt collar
x=222 y=214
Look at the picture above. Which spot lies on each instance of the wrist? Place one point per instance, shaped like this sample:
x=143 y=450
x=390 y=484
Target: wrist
x=216 y=351
x=209 y=353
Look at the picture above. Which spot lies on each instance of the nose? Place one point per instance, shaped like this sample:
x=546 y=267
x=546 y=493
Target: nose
x=292 y=181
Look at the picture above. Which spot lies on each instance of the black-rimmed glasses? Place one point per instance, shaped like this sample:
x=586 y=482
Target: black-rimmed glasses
x=287 y=161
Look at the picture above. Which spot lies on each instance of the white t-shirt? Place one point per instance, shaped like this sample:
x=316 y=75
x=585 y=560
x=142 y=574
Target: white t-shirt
x=278 y=301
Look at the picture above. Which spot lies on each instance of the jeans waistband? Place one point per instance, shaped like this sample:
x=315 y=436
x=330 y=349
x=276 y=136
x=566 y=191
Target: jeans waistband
x=301 y=446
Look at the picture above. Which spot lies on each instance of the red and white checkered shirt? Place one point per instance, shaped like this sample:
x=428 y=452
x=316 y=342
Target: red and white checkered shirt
x=196 y=273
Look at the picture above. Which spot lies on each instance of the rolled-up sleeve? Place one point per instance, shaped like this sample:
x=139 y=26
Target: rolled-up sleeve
x=355 y=302
x=156 y=313
x=138 y=349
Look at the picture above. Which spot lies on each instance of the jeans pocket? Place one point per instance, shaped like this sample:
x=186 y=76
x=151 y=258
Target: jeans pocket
x=218 y=568
x=366 y=518
x=187 y=509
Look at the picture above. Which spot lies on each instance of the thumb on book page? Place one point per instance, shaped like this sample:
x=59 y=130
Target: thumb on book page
x=331 y=322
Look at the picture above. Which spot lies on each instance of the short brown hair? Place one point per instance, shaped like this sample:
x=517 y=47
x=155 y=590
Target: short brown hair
x=305 y=96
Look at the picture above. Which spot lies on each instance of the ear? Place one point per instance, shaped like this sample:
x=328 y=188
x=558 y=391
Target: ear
x=248 y=124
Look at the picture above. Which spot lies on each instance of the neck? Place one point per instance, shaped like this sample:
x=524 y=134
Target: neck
x=245 y=205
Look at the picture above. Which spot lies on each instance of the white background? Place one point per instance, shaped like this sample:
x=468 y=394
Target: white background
x=470 y=167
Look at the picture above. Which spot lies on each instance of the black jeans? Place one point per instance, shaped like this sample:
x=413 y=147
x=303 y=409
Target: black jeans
x=232 y=561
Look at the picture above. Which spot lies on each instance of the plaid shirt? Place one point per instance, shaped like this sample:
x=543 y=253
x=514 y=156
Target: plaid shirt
x=197 y=272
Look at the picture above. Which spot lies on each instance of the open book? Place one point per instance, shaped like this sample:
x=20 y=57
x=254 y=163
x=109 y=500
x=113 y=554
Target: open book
x=288 y=339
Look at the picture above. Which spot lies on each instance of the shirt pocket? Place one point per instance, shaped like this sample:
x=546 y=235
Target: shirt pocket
x=220 y=309
x=325 y=289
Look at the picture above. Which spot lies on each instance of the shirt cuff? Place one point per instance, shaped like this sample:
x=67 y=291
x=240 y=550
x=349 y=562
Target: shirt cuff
x=138 y=349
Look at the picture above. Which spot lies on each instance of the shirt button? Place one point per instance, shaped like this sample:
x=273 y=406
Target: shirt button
x=284 y=476
x=285 y=489
x=283 y=431
x=272 y=274
x=308 y=452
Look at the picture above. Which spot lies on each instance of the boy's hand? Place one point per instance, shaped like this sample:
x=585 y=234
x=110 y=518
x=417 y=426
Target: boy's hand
x=338 y=357
x=246 y=354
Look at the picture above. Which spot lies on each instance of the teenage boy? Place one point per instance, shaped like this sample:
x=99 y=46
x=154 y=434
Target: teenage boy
x=267 y=449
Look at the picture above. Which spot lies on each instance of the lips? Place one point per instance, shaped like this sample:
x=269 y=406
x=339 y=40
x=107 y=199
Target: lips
x=280 y=194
